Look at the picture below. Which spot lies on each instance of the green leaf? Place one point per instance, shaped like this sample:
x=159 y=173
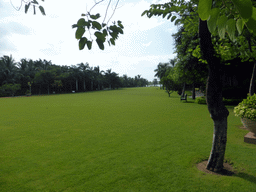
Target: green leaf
x=120 y=30
x=79 y=32
x=177 y=21
x=240 y=26
x=231 y=28
x=204 y=9
x=173 y=18
x=212 y=20
x=244 y=7
x=169 y=16
x=105 y=32
x=74 y=26
x=89 y=45
x=35 y=2
x=112 y=41
x=82 y=43
x=165 y=13
x=97 y=16
x=251 y=24
x=81 y=22
x=120 y=24
x=100 y=36
x=100 y=44
x=221 y=22
x=144 y=12
x=113 y=35
x=27 y=7
x=149 y=14
x=96 y=25
x=42 y=10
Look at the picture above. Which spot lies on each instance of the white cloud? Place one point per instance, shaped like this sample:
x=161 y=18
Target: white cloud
x=51 y=37
x=147 y=44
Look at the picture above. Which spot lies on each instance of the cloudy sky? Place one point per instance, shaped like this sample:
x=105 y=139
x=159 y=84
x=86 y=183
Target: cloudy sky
x=145 y=42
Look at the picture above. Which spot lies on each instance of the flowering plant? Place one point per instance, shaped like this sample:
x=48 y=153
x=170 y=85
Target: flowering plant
x=247 y=108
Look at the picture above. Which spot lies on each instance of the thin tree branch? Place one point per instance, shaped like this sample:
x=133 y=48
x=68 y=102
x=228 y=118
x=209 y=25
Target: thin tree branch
x=113 y=11
x=106 y=11
x=96 y=3
x=18 y=8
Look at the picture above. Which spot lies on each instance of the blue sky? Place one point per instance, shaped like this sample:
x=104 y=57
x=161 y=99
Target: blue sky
x=145 y=42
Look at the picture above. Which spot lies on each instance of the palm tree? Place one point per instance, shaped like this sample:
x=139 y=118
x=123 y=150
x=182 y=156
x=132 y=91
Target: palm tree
x=83 y=69
x=8 y=70
x=42 y=64
x=98 y=76
x=75 y=74
x=161 y=70
x=108 y=77
x=26 y=73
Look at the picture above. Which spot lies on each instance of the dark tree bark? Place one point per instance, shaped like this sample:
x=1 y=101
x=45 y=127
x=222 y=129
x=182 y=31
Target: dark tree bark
x=252 y=83
x=193 y=92
x=216 y=107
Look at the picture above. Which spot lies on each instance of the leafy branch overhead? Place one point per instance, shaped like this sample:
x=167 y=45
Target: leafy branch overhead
x=102 y=32
x=35 y=4
x=222 y=16
x=228 y=16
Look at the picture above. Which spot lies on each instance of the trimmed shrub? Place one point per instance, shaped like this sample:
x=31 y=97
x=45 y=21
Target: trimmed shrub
x=200 y=100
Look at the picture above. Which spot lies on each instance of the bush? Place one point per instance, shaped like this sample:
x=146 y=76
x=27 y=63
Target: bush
x=247 y=108
x=201 y=100
x=9 y=89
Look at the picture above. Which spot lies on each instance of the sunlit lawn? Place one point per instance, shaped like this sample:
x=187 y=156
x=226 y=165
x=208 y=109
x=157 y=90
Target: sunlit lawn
x=135 y=139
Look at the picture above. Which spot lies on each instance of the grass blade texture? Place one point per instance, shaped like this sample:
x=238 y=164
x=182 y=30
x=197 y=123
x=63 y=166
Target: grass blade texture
x=135 y=139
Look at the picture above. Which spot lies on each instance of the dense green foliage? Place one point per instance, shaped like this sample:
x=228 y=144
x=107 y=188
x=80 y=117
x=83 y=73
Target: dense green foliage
x=247 y=108
x=200 y=100
x=134 y=139
x=43 y=77
x=228 y=16
x=191 y=66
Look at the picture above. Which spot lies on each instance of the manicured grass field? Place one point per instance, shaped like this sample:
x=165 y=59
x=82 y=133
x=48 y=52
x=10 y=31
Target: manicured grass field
x=135 y=139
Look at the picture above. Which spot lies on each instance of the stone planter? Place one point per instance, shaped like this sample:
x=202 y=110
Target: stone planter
x=249 y=124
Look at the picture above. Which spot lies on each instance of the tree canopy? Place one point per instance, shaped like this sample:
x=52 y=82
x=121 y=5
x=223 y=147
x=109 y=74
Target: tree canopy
x=43 y=77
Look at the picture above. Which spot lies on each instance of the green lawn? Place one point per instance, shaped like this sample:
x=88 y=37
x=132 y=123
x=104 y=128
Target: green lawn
x=135 y=139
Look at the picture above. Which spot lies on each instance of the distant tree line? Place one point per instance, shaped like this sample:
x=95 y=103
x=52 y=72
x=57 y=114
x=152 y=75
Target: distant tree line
x=28 y=77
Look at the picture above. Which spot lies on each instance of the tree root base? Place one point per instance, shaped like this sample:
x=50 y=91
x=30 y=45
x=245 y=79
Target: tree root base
x=226 y=171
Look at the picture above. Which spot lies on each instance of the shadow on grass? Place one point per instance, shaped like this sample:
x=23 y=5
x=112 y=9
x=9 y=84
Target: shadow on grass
x=173 y=96
x=230 y=106
x=246 y=176
x=188 y=102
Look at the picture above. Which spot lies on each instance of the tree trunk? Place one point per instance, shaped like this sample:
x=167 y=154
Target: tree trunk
x=183 y=91
x=194 y=92
x=76 y=85
x=216 y=107
x=252 y=83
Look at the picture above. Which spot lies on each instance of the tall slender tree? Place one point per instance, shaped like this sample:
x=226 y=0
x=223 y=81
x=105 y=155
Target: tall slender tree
x=8 y=70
